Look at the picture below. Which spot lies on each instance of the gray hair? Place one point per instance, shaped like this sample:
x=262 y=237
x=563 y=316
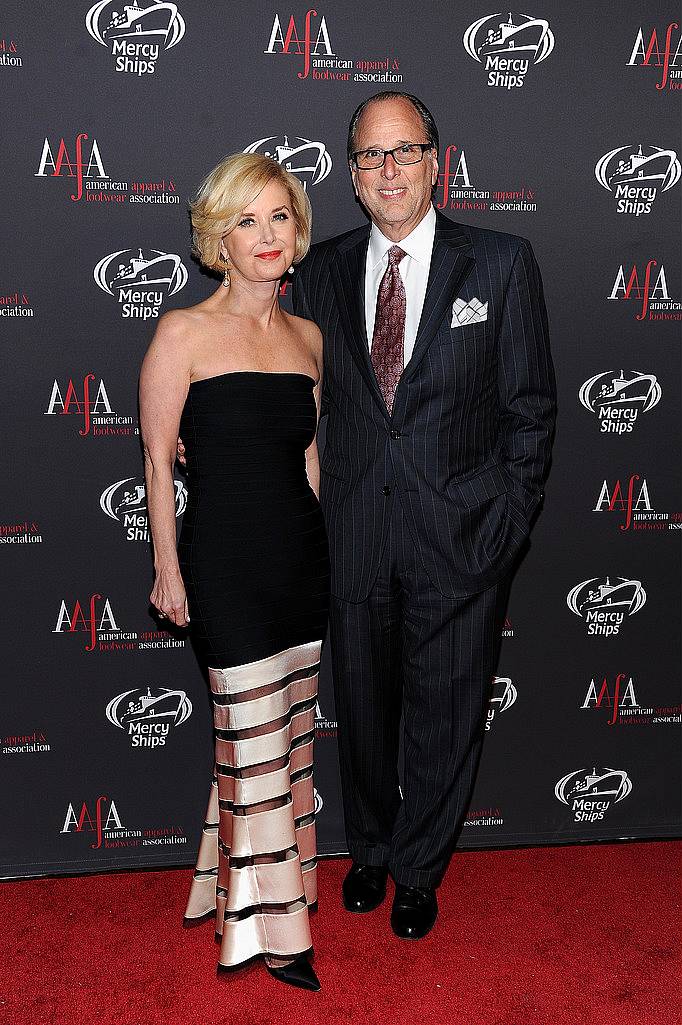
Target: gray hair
x=427 y=119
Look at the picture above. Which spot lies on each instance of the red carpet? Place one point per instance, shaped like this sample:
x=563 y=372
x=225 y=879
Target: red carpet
x=554 y=936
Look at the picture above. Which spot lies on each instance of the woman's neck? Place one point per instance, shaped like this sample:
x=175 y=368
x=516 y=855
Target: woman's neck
x=258 y=300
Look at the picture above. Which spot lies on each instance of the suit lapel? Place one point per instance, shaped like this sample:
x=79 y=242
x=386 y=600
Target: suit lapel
x=451 y=264
x=348 y=276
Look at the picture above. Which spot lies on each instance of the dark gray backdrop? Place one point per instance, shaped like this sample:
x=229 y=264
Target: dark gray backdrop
x=566 y=758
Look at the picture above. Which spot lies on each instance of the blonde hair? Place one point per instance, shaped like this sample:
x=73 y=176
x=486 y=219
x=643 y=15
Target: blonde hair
x=227 y=190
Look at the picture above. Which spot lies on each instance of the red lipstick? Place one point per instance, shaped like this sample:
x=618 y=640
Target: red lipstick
x=272 y=255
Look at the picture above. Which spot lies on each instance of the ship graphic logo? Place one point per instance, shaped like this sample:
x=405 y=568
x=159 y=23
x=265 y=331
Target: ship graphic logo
x=149 y=705
x=149 y=270
x=504 y=694
x=308 y=160
x=527 y=37
x=616 y=389
x=630 y=165
x=128 y=498
x=608 y=785
x=606 y=594
x=151 y=22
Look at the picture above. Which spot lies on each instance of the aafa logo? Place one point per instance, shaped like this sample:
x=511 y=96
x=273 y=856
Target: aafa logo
x=503 y=696
x=140 y=280
x=309 y=161
x=147 y=715
x=604 y=605
x=634 y=498
x=85 y=164
x=590 y=794
x=651 y=54
x=300 y=43
x=91 y=402
x=455 y=189
x=611 y=696
x=455 y=175
x=103 y=827
x=94 y=617
x=619 y=397
x=69 y=401
x=636 y=177
x=319 y=803
x=649 y=288
x=508 y=48
x=137 y=35
x=126 y=502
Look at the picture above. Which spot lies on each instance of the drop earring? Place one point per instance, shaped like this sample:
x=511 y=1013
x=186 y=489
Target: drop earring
x=226 y=275
x=291 y=269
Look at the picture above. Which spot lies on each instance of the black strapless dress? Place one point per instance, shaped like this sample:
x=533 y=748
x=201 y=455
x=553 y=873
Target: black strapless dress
x=254 y=558
x=253 y=548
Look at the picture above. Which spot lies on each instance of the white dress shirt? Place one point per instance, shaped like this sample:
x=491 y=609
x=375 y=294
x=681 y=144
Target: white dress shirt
x=413 y=268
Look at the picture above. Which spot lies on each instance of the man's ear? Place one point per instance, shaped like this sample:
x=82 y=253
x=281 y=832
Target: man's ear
x=354 y=175
x=434 y=175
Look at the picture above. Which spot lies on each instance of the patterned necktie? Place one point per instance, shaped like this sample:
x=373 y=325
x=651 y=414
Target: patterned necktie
x=388 y=358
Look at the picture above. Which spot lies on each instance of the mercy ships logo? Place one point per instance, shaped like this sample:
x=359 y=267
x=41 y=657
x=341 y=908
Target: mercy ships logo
x=141 y=281
x=148 y=714
x=618 y=398
x=636 y=177
x=136 y=35
x=308 y=160
x=502 y=697
x=126 y=502
x=507 y=49
x=604 y=605
x=589 y=795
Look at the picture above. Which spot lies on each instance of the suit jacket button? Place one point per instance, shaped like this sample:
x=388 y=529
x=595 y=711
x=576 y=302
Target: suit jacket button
x=386 y=489
x=395 y=435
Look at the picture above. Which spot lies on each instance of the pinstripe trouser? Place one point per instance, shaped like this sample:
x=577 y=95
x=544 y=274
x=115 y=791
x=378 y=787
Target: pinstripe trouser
x=407 y=649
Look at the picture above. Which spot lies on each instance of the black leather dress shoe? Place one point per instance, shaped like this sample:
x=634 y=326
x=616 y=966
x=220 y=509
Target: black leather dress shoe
x=364 y=888
x=414 y=911
x=297 y=973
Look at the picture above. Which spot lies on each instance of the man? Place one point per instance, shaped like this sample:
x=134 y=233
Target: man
x=439 y=391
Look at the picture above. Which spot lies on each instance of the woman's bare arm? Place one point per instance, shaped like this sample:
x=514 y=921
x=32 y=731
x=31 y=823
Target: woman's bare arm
x=164 y=383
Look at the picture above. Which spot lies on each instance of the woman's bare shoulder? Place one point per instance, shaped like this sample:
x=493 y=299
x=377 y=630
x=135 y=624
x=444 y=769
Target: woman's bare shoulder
x=184 y=320
x=176 y=339
x=307 y=330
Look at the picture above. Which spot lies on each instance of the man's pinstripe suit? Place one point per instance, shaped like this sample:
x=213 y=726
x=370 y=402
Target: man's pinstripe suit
x=426 y=510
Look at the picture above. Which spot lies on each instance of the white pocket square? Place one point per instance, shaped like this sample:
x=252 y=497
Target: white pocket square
x=472 y=312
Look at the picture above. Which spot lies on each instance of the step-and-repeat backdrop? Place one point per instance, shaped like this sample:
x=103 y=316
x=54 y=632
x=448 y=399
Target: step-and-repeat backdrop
x=561 y=124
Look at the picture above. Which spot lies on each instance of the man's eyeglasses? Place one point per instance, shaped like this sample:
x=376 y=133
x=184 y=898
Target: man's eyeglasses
x=408 y=153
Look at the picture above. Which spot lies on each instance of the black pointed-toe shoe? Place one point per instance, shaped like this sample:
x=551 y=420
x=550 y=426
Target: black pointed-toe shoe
x=364 y=888
x=298 y=973
x=414 y=911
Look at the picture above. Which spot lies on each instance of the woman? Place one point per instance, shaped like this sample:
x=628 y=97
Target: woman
x=241 y=380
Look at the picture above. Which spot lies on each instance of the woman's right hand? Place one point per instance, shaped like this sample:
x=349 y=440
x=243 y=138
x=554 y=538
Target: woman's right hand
x=168 y=596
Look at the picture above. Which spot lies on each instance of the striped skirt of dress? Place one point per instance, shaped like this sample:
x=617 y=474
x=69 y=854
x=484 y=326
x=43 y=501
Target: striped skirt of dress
x=256 y=867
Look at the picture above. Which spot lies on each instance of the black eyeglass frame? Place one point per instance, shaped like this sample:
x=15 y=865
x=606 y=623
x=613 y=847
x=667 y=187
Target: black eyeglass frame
x=423 y=146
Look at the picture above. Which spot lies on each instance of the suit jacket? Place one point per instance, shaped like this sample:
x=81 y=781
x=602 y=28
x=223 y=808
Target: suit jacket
x=467 y=446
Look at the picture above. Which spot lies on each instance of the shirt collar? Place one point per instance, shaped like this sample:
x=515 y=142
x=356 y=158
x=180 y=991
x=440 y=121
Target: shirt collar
x=418 y=244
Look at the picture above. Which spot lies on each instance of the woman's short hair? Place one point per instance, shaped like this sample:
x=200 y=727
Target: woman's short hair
x=228 y=189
